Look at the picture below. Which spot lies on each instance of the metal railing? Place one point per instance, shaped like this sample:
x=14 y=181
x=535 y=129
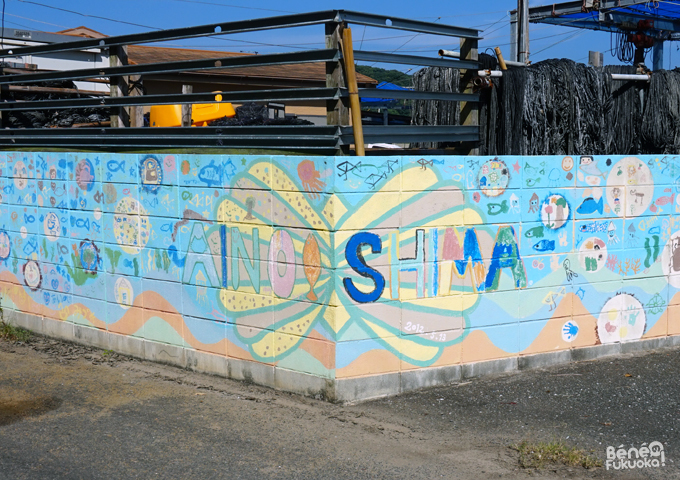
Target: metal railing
x=333 y=138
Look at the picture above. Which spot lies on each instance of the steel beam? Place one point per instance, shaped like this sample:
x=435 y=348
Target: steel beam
x=297 y=94
x=417 y=95
x=412 y=133
x=241 y=26
x=537 y=14
x=413 y=60
x=384 y=21
x=288 y=137
x=308 y=56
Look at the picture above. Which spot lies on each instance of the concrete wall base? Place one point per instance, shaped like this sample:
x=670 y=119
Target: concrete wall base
x=334 y=390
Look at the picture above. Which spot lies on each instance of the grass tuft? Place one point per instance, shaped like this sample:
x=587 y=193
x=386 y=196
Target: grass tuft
x=14 y=334
x=537 y=455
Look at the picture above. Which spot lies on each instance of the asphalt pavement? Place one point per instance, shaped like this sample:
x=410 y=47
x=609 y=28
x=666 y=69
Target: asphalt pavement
x=68 y=411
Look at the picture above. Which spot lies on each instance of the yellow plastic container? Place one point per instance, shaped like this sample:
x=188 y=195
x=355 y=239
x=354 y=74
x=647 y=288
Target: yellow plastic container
x=201 y=114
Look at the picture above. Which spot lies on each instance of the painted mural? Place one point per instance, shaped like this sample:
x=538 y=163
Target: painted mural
x=343 y=266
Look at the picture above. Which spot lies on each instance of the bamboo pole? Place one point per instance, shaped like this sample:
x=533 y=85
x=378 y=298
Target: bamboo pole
x=354 y=104
x=501 y=60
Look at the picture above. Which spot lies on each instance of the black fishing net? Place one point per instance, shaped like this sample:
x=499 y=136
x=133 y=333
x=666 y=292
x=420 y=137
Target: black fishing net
x=53 y=118
x=251 y=114
x=423 y=112
x=559 y=107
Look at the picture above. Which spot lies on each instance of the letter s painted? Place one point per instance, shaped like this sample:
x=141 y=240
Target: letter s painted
x=355 y=259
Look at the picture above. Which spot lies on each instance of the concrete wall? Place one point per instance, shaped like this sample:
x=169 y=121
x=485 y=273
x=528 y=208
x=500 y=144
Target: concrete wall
x=342 y=276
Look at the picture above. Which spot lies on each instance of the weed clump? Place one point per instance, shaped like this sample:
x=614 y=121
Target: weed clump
x=537 y=455
x=12 y=333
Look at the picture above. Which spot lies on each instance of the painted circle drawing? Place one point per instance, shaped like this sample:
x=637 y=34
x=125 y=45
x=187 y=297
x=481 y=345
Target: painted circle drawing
x=670 y=260
x=131 y=227
x=24 y=232
x=20 y=175
x=593 y=254
x=32 y=275
x=151 y=173
x=85 y=175
x=123 y=293
x=5 y=246
x=52 y=226
x=630 y=178
x=622 y=318
x=89 y=256
x=555 y=212
x=569 y=331
x=493 y=178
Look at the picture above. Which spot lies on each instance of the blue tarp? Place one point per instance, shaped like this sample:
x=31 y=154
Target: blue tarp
x=384 y=101
x=665 y=16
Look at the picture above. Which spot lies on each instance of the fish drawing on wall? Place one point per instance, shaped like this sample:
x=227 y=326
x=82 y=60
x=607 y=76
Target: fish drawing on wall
x=545 y=246
x=498 y=208
x=311 y=257
x=590 y=205
x=536 y=232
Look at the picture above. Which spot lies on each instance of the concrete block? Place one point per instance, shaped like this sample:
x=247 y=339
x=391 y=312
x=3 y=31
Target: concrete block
x=429 y=377
x=27 y=321
x=365 y=388
x=92 y=337
x=673 y=340
x=165 y=353
x=252 y=372
x=305 y=384
x=206 y=362
x=598 y=351
x=58 y=329
x=127 y=345
x=542 y=360
x=490 y=367
x=644 y=345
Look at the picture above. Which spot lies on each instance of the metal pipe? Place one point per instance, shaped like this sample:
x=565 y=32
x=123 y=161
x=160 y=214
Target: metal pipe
x=449 y=53
x=635 y=77
x=615 y=76
x=490 y=73
x=515 y=64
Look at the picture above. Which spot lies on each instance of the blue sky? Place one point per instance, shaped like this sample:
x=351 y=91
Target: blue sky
x=491 y=17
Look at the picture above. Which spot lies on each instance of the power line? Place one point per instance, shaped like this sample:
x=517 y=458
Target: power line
x=89 y=16
x=406 y=42
x=234 y=6
x=36 y=21
x=576 y=34
x=468 y=14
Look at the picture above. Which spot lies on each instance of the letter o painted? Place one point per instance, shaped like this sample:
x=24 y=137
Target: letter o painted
x=282 y=285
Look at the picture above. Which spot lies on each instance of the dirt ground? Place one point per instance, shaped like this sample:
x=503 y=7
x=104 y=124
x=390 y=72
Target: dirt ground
x=68 y=411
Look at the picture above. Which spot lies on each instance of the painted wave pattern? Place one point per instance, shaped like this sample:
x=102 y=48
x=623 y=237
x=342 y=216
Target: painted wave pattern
x=346 y=266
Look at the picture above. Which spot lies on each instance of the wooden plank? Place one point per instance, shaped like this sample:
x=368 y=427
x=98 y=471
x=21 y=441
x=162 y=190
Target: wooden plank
x=186 y=107
x=65 y=91
x=136 y=113
x=337 y=111
x=469 y=111
x=120 y=116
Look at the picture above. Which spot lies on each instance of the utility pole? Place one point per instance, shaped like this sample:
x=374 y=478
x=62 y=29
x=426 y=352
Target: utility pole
x=522 y=31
